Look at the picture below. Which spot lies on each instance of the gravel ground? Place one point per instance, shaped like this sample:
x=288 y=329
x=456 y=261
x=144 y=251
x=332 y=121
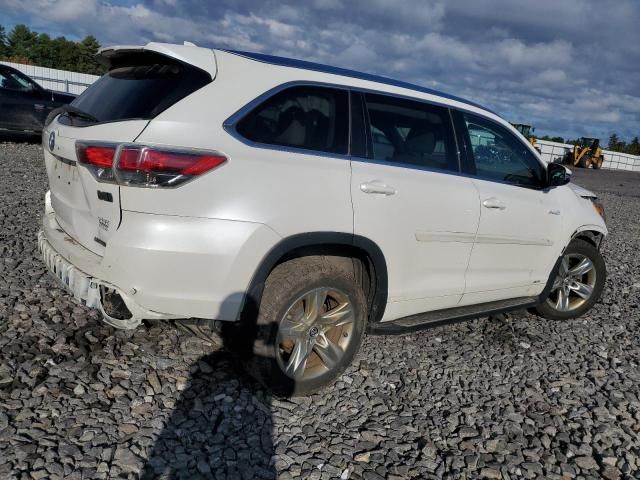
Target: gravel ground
x=515 y=398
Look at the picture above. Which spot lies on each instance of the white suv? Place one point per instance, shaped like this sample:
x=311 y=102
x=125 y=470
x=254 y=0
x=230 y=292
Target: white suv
x=305 y=204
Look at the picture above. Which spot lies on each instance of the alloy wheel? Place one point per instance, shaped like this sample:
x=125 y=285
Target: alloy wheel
x=574 y=283
x=314 y=333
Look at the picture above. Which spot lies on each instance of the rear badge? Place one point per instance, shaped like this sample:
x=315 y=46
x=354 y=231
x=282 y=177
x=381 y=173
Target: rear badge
x=52 y=140
x=103 y=223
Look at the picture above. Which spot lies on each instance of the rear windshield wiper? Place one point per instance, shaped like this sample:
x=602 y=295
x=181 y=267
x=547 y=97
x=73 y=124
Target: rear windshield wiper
x=76 y=112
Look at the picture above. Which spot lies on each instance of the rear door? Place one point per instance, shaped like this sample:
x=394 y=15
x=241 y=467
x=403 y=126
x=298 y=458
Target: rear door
x=409 y=198
x=116 y=109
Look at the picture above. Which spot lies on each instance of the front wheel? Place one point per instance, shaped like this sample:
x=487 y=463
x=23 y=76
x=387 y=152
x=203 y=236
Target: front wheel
x=597 y=165
x=578 y=283
x=310 y=325
x=584 y=162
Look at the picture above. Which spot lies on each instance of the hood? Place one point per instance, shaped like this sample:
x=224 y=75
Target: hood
x=581 y=192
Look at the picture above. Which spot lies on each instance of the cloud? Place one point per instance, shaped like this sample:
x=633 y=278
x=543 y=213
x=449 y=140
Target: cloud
x=567 y=67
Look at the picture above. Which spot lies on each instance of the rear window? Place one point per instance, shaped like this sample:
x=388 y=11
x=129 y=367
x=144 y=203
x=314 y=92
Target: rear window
x=138 y=91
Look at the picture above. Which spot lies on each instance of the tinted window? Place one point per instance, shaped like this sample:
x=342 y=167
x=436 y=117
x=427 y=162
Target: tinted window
x=416 y=133
x=15 y=81
x=313 y=118
x=140 y=91
x=500 y=155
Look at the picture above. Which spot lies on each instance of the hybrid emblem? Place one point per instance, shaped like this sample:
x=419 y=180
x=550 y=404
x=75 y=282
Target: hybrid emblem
x=52 y=140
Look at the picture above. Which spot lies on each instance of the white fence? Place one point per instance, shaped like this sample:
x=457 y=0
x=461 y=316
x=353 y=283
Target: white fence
x=52 y=79
x=552 y=151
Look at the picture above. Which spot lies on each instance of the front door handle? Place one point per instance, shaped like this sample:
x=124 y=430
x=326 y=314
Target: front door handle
x=377 y=187
x=494 y=203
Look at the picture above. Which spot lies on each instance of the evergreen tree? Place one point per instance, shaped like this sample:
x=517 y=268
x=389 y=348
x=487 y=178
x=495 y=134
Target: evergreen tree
x=3 y=42
x=614 y=143
x=23 y=45
x=634 y=147
x=87 y=62
x=21 y=41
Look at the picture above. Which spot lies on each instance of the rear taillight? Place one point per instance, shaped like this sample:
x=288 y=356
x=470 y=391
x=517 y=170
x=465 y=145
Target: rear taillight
x=153 y=167
x=98 y=158
x=138 y=165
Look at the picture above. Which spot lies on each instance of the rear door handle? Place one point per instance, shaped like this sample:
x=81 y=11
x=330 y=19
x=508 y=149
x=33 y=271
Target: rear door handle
x=377 y=187
x=494 y=203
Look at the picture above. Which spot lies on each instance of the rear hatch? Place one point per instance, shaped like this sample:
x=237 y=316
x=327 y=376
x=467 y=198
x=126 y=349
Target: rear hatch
x=141 y=83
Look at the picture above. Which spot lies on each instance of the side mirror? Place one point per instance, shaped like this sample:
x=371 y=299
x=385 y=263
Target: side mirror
x=557 y=175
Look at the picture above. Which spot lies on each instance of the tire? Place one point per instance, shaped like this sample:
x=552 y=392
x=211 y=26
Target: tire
x=597 y=165
x=584 y=162
x=562 y=306
x=291 y=290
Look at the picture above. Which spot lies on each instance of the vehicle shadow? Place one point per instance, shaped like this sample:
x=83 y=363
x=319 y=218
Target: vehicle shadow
x=19 y=137
x=221 y=426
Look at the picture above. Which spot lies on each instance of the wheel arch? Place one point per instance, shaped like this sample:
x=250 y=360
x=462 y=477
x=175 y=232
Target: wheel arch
x=589 y=233
x=326 y=243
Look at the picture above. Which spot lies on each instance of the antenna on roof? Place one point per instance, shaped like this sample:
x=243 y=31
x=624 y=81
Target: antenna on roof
x=189 y=44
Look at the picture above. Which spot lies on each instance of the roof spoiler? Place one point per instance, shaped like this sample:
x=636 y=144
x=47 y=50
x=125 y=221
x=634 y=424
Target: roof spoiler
x=202 y=58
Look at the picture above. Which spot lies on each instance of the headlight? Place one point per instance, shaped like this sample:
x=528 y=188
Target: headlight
x=599 y=207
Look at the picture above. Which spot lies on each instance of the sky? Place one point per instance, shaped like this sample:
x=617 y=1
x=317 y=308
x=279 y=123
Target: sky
x=568 y=67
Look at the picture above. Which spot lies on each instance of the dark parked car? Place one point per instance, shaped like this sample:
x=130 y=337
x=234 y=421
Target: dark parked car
x=24 y=105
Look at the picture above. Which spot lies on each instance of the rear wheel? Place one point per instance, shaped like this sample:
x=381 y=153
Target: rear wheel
x=578 y=283
x=310 y=325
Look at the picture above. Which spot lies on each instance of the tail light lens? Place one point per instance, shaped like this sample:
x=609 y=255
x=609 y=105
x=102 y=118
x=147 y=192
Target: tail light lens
x=98 y=159
x=163 y=168
x=138 y=165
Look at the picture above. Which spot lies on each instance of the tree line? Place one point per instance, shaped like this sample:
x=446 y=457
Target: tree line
x=23 y=45
x=615 y=143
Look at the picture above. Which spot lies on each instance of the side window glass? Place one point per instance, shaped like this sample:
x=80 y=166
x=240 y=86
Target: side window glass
x=12 y=81
x=312 y=118
x=500 y=155
x=408 y=132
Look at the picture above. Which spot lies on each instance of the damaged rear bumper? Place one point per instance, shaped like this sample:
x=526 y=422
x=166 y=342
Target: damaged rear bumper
x=117 y=308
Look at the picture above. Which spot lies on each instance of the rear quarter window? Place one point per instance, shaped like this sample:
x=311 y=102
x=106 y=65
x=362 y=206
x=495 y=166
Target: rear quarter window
x=310 y=118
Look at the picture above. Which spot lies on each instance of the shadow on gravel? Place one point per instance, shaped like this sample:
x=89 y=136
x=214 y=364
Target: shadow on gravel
x=222 y=425
x=19 y=137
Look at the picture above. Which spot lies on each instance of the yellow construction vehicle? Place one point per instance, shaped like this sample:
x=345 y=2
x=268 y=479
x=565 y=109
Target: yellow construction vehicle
x=527 y=132
x=587 y=153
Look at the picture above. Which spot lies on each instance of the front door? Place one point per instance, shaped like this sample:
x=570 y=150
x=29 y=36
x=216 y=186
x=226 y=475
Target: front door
x=409 y=198
x=515 y=245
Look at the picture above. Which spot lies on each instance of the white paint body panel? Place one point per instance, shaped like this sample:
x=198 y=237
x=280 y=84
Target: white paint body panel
x=426 y=229
x=192 y=251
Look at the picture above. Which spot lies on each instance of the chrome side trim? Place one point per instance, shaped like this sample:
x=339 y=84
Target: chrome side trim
x=459 y=237
x=507 y=240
